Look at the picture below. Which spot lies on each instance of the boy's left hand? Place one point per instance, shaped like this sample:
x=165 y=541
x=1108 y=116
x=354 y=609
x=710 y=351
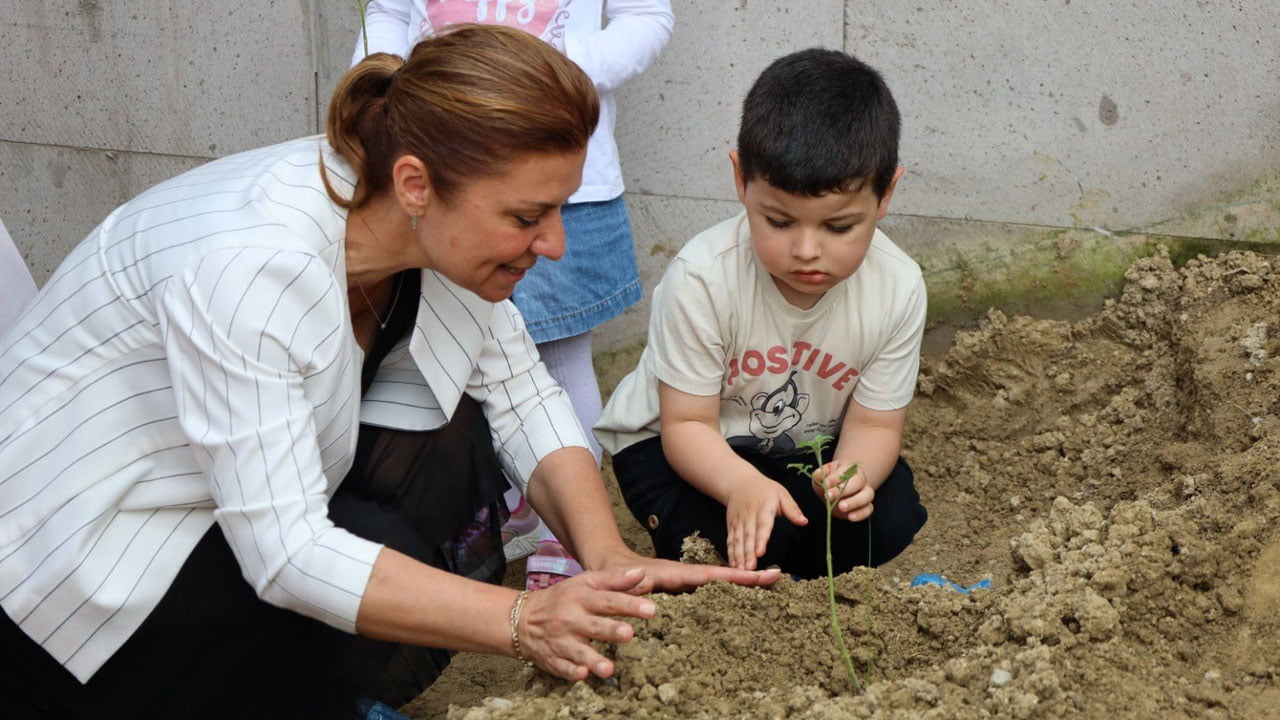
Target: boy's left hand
x=856 y=499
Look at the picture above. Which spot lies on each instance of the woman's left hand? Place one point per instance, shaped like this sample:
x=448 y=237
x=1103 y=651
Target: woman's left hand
x=674 y=576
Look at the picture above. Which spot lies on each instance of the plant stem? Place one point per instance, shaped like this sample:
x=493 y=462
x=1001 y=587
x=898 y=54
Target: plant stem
x=831 y=596
x=867 y=645
x=364 y=30
x=816 y=444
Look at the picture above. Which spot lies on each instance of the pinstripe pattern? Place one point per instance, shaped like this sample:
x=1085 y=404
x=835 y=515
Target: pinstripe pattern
x=192 y=362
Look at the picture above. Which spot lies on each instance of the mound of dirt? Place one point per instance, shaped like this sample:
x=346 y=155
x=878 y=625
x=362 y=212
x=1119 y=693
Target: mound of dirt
x=1116 y=480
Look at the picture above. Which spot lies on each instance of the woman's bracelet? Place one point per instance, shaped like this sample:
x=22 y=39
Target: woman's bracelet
x=515 y=618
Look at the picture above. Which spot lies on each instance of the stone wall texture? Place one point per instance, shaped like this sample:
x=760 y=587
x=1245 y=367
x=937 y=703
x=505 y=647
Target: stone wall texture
x=1019 y=117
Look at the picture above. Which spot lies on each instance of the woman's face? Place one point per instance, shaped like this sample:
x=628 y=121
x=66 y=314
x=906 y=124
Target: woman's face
x=494 y=229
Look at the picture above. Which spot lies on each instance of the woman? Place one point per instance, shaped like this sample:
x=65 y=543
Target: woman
x=292 y=367
x=597 y=278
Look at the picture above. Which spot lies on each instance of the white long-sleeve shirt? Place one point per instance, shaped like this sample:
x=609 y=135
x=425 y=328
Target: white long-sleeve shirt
x=16 y=285
x=193 y=361
x=612 y=41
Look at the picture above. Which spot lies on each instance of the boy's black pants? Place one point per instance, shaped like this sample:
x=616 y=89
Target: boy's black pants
x=672 y=509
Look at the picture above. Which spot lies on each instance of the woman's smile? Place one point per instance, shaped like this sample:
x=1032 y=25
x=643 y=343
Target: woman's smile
x=517 y=271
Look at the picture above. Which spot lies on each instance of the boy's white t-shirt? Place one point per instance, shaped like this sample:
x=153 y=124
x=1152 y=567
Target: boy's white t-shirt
x=719 y=325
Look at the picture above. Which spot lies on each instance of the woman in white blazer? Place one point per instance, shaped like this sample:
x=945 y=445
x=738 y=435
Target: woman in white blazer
x=255 y=430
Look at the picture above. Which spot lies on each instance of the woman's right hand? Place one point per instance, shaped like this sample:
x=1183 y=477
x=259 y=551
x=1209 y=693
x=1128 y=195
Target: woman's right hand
x=557 y=624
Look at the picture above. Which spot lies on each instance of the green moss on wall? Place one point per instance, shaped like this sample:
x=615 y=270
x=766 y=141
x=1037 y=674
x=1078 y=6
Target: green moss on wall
x=1068 y=273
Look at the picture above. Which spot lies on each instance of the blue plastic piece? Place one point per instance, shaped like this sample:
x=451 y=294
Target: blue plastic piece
x=370 y=709
x=942 y=582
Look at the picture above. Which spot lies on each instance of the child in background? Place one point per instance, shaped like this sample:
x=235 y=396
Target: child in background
x=794 y=319
x=597 y=278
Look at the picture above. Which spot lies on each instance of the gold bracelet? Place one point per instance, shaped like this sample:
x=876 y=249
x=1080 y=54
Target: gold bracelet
x=515 y=618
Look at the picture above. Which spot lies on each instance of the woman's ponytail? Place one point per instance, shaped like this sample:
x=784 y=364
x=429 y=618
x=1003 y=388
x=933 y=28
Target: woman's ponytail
x=466 y=103
x=357 y=126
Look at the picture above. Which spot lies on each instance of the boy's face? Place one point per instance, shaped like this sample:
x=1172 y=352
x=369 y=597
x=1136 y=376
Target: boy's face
x=810 y=244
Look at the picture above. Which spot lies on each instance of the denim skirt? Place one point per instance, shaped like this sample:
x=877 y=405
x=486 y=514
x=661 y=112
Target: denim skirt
x=595 y=280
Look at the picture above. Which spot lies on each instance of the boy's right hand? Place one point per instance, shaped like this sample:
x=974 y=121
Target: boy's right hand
x=750 y=513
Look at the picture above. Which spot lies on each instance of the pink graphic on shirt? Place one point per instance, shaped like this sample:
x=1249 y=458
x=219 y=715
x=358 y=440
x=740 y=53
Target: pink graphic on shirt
x=801 y=356
x=543 y=19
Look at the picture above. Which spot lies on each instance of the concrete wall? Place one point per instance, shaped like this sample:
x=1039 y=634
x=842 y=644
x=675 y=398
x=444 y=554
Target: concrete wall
x=1019 y=117
x=102 y=98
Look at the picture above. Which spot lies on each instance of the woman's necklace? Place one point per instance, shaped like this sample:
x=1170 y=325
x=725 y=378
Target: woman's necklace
x=399 y=284
x=382 y=324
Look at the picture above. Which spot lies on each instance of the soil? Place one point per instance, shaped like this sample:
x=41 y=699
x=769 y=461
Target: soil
x=1115 y=478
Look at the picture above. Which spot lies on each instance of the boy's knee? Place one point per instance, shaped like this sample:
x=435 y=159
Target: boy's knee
x=785 y=543
x=895 y=532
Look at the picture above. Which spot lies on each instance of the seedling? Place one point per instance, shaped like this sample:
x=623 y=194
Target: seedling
x=364 y=30
x=817 y=444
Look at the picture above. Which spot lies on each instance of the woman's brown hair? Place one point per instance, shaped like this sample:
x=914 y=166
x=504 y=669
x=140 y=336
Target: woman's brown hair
x=466 y=102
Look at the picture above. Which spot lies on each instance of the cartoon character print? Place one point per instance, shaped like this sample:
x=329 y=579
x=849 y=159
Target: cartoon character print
x=543 y=19
x=772 y=415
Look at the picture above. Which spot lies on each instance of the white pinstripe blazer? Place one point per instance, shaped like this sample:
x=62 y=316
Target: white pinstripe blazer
x=193 y=361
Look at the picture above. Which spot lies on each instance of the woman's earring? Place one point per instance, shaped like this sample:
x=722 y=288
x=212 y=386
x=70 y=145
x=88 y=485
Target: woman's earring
x=413 y=221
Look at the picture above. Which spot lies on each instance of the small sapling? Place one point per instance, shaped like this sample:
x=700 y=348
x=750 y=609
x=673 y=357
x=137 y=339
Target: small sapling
x=816 y=445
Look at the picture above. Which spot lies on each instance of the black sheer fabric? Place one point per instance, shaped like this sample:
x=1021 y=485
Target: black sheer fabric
x=446 y=485
x=441 y=483
x=444 y=490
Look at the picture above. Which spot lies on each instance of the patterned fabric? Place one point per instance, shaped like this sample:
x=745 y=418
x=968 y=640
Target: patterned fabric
x=593 y=282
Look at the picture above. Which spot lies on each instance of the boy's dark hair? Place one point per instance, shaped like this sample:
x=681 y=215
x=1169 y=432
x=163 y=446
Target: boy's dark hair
x=819 y=121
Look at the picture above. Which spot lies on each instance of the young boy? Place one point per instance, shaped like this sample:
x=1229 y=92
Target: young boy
x=794 y=319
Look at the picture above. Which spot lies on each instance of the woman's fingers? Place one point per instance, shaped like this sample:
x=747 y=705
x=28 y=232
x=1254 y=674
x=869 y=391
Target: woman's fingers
x=575 y=660
x=565 y=669
x=579 y=658
x=608 y=630
x=624 y=581
x=671 y=575
x=618 y=604
x=757 y=578
x=560 y=622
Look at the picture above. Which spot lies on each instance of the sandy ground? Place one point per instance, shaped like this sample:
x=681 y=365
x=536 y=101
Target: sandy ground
x=1114 y=477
